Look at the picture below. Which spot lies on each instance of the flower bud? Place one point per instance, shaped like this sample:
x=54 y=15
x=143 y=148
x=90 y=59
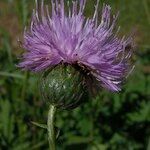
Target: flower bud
x=63 y=86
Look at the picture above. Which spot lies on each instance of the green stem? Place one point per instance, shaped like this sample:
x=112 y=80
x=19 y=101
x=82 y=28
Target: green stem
x=50 y=127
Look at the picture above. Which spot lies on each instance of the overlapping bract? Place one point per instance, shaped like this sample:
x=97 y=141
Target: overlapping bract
x=68 y=37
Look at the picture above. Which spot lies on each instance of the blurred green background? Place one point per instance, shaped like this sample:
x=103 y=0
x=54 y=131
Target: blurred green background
x=108 y=122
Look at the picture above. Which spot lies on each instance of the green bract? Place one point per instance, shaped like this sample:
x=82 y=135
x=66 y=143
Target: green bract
x=63 y=86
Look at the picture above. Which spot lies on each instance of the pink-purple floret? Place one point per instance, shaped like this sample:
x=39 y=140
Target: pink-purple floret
x=60 y=37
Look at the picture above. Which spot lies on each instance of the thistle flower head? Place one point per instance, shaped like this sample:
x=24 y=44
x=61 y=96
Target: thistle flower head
x=59 y=37
x=63 y=86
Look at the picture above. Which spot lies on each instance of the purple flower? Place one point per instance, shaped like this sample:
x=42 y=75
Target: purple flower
x=58 y=37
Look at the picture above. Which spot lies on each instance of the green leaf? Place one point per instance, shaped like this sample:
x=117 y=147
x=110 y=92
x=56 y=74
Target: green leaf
x=7 y=120
x=44 y=126
x=13 y=75
x=97 y=146
x=78 y=140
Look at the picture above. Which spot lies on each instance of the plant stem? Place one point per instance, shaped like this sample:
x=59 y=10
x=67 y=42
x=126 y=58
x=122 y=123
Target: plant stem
x=50 y=127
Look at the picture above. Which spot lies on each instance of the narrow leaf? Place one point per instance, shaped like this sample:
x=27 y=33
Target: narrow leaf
x=39 y=125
